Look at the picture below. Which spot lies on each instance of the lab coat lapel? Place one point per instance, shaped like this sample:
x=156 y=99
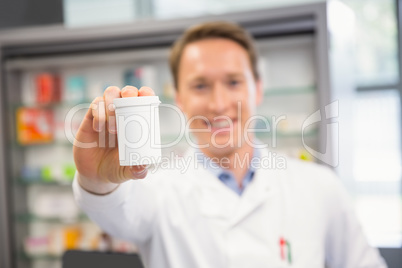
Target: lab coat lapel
x=263 y=187
x=216 y=199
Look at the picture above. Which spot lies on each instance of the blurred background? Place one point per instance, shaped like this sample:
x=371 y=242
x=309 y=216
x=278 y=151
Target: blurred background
x=56 y=56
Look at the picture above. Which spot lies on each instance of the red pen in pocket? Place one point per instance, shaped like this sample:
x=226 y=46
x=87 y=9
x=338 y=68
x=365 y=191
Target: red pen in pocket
x=285 y=250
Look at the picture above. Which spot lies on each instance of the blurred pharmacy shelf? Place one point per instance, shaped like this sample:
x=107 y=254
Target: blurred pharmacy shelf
x=50 y=76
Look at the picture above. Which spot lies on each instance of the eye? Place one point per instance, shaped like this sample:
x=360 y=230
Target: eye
x=234 y=83
x=200 y=86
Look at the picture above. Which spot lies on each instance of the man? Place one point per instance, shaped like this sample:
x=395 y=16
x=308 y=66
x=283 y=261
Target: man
x=222 y=214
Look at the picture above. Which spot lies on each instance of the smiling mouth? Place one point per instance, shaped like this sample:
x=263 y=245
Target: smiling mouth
x=222 y=124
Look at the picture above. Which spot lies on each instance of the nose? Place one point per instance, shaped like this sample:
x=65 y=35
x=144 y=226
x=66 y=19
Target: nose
x=220 y=99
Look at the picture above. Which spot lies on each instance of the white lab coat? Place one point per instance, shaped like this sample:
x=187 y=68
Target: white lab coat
x=191 y=219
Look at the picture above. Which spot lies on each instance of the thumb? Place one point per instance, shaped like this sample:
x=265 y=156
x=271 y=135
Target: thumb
x=135 y=172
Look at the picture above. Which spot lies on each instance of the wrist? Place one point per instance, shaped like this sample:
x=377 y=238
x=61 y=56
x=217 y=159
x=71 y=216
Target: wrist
x=96 y=187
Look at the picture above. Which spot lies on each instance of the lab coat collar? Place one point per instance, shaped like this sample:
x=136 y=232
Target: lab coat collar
x=264 y=187
x=218 y=201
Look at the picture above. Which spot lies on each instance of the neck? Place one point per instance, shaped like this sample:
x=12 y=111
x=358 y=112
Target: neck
x=236 y=161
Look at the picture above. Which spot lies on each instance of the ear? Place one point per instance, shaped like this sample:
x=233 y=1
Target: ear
x=259 y=94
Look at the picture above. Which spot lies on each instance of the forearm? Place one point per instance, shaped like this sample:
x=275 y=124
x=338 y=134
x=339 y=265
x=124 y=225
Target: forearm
x=127 y=212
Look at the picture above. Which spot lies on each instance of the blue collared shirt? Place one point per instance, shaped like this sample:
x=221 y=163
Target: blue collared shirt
x=227 y=177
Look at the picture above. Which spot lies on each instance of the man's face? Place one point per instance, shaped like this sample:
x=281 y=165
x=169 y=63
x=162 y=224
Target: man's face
x=218 y=93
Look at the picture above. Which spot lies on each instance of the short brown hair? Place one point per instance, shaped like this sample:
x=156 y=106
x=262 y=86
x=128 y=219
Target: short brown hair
x=219 y=29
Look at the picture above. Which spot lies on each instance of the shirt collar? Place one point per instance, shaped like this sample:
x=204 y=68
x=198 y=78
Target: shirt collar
x=223 y=174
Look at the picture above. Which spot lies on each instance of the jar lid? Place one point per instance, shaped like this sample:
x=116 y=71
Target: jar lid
x=136 y=101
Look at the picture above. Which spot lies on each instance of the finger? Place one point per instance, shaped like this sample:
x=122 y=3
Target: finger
x=98 y=113
x=146 y=91
x=136 y=172
x=109 y=95
x=87 y=123
x=129 y=91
